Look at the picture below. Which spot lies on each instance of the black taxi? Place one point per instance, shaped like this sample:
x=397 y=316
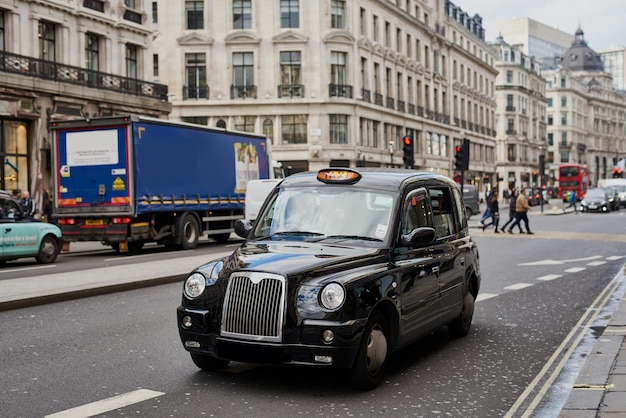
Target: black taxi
x=341 y=268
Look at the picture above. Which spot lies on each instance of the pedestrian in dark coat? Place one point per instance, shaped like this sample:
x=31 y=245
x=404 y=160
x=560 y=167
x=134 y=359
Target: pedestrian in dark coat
x=494 y=213
x=512 y=215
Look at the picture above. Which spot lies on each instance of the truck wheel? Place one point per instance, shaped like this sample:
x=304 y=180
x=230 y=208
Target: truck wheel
x=48 y=250
x=188 y=232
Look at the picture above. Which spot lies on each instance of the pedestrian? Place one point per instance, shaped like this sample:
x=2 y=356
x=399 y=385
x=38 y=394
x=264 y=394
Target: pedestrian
x=46 y=214
x=571 y=198
x=521 y=213
x=28 y=205
x=495 y=212
x=487 y=213
x=512 y=216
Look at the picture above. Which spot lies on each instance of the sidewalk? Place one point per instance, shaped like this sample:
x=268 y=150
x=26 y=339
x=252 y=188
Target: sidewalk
x=600 y=388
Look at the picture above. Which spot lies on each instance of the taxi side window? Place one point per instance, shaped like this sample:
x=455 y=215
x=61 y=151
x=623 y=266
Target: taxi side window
x=416 y=211
x=443 y=211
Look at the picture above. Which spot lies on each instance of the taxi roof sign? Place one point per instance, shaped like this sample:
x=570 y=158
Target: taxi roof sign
x=338 y=176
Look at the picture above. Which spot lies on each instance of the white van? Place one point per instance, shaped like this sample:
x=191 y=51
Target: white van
x=619 y=184
x=256 y=192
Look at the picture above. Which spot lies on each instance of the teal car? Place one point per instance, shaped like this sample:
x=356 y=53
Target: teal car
x=26 y=237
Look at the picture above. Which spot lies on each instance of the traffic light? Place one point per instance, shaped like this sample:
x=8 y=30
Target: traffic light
x=407 y=152
x=461 y=155
x=617 y=173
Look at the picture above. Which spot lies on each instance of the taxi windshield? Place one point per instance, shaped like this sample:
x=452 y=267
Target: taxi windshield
x=326 y=213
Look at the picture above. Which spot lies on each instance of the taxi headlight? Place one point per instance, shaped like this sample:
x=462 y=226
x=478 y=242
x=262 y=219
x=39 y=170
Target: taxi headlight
x=332 y=296
x=194 y=285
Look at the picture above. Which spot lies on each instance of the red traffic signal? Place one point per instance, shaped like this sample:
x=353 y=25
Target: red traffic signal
x=407 y=152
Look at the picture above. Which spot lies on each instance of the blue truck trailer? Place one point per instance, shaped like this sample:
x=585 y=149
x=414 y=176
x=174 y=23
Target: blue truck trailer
x=129 y=180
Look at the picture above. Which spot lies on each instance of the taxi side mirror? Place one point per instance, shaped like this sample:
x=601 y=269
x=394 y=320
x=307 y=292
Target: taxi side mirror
x=418 y=236
x=243 y=227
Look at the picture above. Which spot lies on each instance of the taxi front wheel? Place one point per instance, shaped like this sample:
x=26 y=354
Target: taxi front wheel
x=369 y=366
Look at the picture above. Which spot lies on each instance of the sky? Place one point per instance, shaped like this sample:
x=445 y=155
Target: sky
x=602 y=21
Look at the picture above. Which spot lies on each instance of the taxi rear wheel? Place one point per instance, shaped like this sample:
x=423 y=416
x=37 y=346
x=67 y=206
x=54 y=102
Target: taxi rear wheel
x=371 y=359
x=48 y=250
x=460 y=327
x=207 y=363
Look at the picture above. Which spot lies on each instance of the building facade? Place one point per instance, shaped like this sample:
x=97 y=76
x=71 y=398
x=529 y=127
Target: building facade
x=586 y=114
x=334 y=82
x=520 y=118
x=68 y=59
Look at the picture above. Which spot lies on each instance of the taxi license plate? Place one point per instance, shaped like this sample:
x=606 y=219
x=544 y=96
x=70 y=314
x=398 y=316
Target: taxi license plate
x=593 y=207
x=94 y=221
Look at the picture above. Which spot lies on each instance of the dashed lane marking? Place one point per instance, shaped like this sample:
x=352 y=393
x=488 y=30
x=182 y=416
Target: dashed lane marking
x=518 y=286
x=549 y=277
x=575 y=269
x=596 y=263
x=107 y=405
x=485 y=296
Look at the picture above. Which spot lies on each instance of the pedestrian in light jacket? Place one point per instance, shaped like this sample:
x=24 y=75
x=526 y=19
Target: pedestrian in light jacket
x=521 y=212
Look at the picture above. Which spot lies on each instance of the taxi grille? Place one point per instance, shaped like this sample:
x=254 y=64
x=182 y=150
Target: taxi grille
x=254 y=307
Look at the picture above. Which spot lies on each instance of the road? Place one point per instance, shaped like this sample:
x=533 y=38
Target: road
x=543 y=299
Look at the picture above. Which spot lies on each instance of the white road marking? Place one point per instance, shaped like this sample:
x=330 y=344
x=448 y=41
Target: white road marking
x=615 y=257
x=557 y=262
x=576 y=269
x=106 y=405
x=485 y=296
x=549 y=277
x=47 y=266
x=518 y=286
x=596 y=263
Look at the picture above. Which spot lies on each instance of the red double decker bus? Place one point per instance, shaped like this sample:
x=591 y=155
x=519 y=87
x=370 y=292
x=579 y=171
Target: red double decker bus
x=573 y=177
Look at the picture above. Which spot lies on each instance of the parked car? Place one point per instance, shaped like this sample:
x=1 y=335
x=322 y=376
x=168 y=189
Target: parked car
x=471 y=200
x=26 y=237
x=596 y=200
x=341 y=268
x=534 y=196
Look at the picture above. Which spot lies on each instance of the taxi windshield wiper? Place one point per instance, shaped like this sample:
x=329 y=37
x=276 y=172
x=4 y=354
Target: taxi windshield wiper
x=361 y=237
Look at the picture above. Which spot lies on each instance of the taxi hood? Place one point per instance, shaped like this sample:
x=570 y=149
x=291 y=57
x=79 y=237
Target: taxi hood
x=295 y=259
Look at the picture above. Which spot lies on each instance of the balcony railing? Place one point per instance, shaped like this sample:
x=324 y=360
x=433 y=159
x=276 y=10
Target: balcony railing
x=195 y=92
x=242 y=92
x=511 y=132
x=340 y=90
x=290 y=90
x=412 y=109
x=365 y=95
x=401 y=105
x=510 y=108
x=390 y=102
x=420 y=111
x=54 y=71
x=378 y=99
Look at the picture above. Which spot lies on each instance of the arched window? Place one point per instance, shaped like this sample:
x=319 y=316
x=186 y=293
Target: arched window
x=221 y=123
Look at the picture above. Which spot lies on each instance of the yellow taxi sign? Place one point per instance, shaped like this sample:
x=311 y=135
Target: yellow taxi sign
x=338 y=175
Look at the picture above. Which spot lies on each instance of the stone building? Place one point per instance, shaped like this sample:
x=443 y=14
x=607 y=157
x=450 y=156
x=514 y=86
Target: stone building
x=63 y=59
x=520 y=117
x=334 y=82
x=586 y=114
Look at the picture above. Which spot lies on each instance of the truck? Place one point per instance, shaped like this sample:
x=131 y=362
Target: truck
x=129 y=180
